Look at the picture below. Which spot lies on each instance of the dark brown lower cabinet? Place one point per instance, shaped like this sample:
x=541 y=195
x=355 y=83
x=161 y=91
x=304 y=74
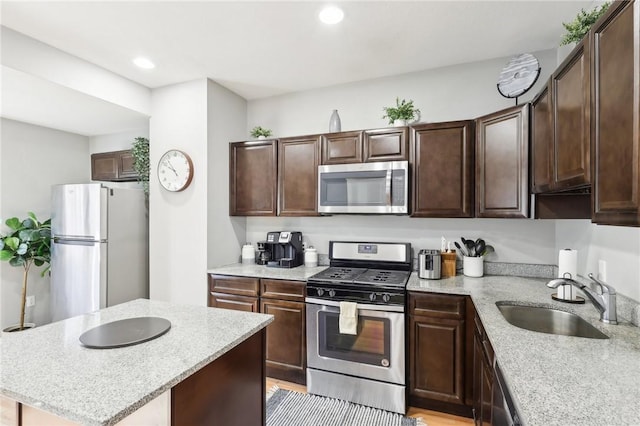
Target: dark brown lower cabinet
x=482 y=375
x=286 y=337
x=439 y=374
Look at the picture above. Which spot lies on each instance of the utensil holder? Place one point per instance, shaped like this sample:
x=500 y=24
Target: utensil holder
x=448 y=266
x=473 y=266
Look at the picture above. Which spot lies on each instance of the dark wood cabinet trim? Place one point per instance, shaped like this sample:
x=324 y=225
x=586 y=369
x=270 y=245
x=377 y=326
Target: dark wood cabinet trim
x=542 y=136
x=437 y=306
x=242 y=286
x=233 y=301
x=283 y=289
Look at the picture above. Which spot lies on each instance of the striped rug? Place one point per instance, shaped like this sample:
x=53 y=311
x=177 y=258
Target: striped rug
x=288 y=408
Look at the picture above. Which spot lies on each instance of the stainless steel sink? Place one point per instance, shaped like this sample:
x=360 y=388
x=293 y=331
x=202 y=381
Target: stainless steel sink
x=548 y=320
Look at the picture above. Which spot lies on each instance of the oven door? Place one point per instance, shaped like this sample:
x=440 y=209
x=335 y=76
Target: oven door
x=375 y=352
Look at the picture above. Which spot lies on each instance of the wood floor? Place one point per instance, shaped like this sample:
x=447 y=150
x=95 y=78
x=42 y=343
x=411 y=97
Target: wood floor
x=431 y=418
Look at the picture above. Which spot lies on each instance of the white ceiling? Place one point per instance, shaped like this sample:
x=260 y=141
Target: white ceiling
x=266 y=48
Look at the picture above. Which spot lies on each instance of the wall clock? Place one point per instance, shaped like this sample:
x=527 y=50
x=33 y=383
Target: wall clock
x=175 y=170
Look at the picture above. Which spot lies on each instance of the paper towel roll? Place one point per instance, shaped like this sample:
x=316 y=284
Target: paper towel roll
x=567 y=268
x=567 y=263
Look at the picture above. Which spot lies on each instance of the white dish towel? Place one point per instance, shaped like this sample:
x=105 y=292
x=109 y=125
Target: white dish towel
x=348 y=318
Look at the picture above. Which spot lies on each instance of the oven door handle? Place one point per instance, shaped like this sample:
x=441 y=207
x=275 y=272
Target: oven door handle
x=360 y=306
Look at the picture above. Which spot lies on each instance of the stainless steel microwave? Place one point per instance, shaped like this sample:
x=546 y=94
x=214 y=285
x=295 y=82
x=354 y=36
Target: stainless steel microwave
x=364 y=188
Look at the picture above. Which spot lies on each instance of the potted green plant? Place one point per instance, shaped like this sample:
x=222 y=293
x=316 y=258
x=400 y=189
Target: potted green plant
x=260 y=132
x=140 y=153
x=580 y=26
x=27 y=244
x=403 y=112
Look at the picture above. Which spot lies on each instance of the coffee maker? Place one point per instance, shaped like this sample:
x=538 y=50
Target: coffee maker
x=281 y=250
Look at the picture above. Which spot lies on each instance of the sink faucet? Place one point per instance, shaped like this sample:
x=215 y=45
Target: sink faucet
x=605 y=303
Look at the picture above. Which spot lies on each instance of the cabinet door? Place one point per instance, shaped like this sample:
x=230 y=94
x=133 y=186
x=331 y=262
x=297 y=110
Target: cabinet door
x=298 y=160
x=125 y=166
x=443 y=175
x=487 y=392
x=252 y=178
x=616 y=115
x=477 y=379
x=436 y=359
x=104 y=166
x=571 y=110
x=286 y=340
x=232 y=301
x=342 y=148
x=502 y=163
x=386 y=144
x=541 y=141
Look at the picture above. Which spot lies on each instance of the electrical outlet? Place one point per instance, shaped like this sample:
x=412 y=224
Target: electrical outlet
x=31 y=300
x=602 y=270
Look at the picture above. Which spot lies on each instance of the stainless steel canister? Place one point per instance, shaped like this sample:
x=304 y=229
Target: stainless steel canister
x=429 y=264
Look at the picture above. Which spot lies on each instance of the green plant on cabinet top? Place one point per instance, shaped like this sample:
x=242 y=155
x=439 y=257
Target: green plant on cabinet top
x=140 y=153
x=580 y=26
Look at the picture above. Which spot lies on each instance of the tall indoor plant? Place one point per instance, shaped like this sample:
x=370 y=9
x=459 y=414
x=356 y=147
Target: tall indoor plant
x=140 y=153
x=27 y=244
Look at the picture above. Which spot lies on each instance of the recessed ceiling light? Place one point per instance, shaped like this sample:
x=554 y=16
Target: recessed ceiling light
x=331 y=15
x=144 y=63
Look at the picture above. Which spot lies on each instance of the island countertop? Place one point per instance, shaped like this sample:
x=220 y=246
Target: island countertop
x=555 y=380
x=49 y=369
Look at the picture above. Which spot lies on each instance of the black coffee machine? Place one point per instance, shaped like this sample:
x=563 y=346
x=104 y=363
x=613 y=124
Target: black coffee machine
x=281 y=250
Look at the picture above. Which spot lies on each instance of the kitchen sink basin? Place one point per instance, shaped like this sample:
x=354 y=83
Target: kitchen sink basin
x=548 y=320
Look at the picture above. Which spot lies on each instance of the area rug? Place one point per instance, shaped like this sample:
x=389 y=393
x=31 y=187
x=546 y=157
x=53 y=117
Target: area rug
x=288 y=408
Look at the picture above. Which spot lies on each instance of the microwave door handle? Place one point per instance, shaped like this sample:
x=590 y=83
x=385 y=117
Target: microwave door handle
x=388 y=186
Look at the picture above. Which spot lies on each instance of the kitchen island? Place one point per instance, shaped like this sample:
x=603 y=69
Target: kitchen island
x=207 y=369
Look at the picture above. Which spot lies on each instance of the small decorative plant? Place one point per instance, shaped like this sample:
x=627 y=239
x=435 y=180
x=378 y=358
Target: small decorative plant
x=258 y=131
x=577 y=28
x=404 y=110
x=27 y=244
x=140 y=152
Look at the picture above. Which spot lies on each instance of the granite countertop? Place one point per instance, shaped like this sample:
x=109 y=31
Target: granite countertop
x=47 y=368
x=299 y=273
x=555 y=380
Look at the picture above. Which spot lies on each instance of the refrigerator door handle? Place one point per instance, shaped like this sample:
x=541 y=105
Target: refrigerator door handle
x=75 y=241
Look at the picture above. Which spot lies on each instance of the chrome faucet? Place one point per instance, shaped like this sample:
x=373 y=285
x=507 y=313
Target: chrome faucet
x=605 y=303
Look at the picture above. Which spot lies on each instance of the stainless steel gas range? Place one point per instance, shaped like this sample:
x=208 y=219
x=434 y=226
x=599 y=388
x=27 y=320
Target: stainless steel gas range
x=367 y=367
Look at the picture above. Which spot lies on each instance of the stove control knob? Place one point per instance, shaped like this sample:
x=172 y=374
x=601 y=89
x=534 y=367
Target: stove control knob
x=332 y=293
x=373 y=297
x=386 y=297
x=320 y=291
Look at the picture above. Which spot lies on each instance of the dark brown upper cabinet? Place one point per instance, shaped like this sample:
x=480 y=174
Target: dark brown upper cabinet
x=502 y=163
x=298 y=160
x=571 y=96
x=443 y=172
x=253 y=178
x=115 y=166
x=542 y=141
x=616 y=115
x=391 y=144
x=342 y=148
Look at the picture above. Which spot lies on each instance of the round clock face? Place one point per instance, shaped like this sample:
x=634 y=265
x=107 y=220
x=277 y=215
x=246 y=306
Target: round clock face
x=175 y=170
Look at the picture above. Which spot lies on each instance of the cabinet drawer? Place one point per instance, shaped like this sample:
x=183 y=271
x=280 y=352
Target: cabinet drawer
x=436 y=305
x=283 y=290
x=232 y=301
x=242 y=286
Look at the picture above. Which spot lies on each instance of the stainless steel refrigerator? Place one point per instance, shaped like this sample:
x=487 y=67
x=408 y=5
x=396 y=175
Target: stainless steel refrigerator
x=99 y=251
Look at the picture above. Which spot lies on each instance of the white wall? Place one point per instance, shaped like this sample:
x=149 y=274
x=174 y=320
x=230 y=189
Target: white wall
x=33 y=158
x=457 y=92
x=452 y=93
x=227 y=119
x=618 y=246
x=29 y=55
x=178 y=220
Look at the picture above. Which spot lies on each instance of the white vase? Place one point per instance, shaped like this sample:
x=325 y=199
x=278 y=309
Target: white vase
x=334 y=122
x=473 y=266
x=399 y=122
x=262 y=137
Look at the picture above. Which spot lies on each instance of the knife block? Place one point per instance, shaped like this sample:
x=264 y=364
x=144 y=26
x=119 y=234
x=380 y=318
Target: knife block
x=448 y=264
